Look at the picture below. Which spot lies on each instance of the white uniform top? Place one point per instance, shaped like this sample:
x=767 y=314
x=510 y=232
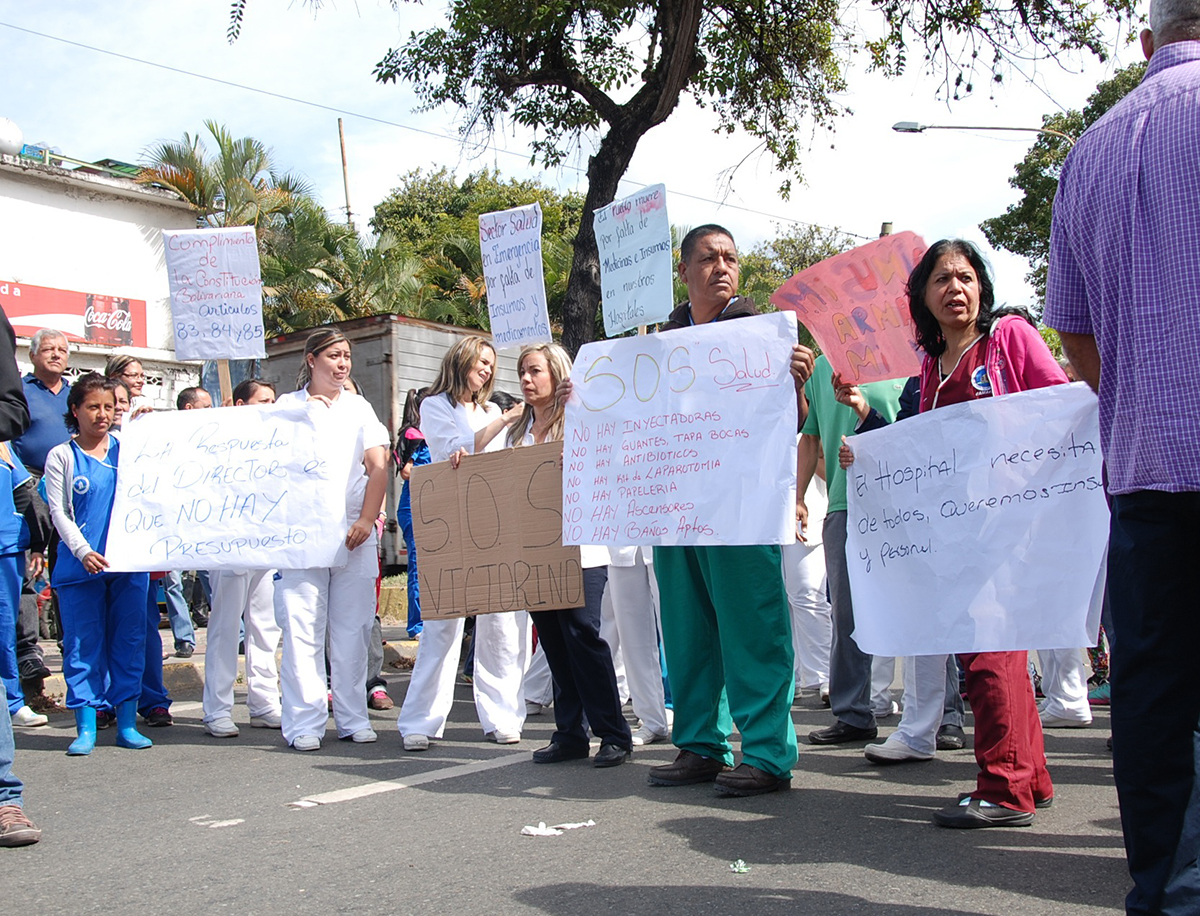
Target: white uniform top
x=448 y=427
x=359 y=416
x=590 y=555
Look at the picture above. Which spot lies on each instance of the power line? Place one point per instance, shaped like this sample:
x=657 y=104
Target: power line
x=366 y=117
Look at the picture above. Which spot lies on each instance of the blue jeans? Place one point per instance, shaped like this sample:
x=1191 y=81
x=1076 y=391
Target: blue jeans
x=404 y=517
x=1154 y=538
x=154 y=692
x=10 y=596
x=177 y=611
x=10 y=786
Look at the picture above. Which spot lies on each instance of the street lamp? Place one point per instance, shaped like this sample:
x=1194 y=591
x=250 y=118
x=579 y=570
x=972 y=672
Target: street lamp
x=912 y=127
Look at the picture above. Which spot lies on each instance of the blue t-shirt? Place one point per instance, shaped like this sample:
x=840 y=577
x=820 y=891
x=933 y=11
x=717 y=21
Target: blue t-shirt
x=47 y=428
x=419 y=457
x=93 y=489
x=14 y=530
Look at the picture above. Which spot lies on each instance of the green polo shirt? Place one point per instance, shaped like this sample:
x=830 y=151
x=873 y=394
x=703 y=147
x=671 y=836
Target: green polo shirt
x=829 y=420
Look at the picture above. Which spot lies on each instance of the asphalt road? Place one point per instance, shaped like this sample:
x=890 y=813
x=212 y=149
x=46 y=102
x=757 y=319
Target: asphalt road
x=201 y=825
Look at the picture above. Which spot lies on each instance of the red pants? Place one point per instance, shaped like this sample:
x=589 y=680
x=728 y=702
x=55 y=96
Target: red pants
x=1008 y=733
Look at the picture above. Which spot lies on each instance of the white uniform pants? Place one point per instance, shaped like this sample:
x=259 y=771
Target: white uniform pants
x=238 y=596
x=1064 y=684
x=538 y=686
x=634 y=593
x=307 y=601
x=812 y=617
x=501 y=657
x=924 y=702
x=883 y=672
x=610 y=634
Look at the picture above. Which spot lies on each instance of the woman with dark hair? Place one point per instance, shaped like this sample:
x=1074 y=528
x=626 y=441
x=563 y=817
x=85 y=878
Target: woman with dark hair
x=972 y=351
x=307 y=601
x=457 y=419
x=242 y=596
x=412 y=452
x=585 y=683
x=103 y=613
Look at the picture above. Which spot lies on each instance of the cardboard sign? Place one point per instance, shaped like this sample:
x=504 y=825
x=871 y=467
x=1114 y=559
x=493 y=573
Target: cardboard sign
x=684 y=437
x=633 y=236
x=261 y=487
x=216 y=293
x=489 y=535
x=510 y=243
x=855 y=307
x=980 y=527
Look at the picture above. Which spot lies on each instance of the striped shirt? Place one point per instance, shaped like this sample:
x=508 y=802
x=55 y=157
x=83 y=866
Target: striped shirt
x=1125 y=267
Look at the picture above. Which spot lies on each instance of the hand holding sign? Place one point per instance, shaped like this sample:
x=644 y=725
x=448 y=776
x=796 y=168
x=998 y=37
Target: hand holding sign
x=855 y=307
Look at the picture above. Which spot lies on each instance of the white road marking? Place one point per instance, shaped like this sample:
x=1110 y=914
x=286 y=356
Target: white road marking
x=391 y=785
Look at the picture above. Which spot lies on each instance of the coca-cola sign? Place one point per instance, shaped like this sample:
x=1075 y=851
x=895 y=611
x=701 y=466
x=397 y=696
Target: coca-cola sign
x=97 y=318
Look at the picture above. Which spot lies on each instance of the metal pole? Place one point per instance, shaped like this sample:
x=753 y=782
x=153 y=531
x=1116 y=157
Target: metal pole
x=345 y=174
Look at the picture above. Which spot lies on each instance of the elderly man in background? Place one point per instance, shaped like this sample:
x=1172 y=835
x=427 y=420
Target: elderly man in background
x=46 y=392
x=1122 y=292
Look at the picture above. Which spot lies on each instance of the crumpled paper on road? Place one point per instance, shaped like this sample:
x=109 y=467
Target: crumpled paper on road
x=557 y=830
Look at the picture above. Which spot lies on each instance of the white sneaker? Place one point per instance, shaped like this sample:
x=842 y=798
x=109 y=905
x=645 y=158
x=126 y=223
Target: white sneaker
x=893 y=752
x=1049 y=721
x=892 y=709
x=27 y=718
x=534 y=709
x=364 y=736
x=221 y=728
x=307 y=743
x=646 y=735
x=503 y=737
x=270 y=720
x=416 y=743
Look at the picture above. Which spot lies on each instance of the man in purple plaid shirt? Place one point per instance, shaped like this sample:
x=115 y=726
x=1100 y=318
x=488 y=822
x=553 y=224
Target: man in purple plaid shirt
x=1123 y=291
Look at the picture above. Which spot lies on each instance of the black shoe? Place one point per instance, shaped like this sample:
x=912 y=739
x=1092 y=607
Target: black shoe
x=34 y=669
x=840 y=733
x=951 y=738
x=199 y=620
x=749 y=780
x=556 y=753
x=611 y=755
x=185 y=651
x=687 y=769
x=974 y=815
x=158 y=717
x=1037 y=802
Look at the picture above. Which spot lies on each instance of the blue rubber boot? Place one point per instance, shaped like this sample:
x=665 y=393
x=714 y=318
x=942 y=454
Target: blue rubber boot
x=127 y=733
x=85 y=725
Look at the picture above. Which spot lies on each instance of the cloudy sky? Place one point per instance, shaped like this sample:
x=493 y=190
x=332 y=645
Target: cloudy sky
x=110 y=80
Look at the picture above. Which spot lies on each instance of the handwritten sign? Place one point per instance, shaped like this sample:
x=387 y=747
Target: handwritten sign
x=488 y=535
x=979 y=527
x=633 y=236
x=232 y=488
x=216 y=293
x=855 y=307
x=684 y=437
x=510 y=242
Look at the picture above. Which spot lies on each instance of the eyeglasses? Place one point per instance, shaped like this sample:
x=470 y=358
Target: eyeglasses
x=134 y=376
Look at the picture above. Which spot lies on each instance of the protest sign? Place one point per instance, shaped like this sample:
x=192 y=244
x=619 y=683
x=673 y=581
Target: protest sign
x=232 y=488
x=979 y=527
x=633 y=236
x=684 y=437
x=855 y=307
x=510 y=243
x=216 y=293
x=489 y=535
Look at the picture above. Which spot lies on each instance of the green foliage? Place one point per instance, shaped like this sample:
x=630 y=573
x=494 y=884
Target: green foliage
x=1024 y=228
x=1053 y=341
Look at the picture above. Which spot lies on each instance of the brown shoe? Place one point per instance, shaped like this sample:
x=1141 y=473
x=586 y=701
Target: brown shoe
x=379 y=699
x=688 y=769
x=15 y=828
x=748 y=780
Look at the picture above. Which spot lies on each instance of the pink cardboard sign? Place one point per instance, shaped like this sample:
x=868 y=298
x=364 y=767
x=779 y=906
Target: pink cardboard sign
x=855 y=307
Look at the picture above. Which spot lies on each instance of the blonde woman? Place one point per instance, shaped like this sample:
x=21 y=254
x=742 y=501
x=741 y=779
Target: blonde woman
x=310 y=601
x=457 y=419
x=585 y=683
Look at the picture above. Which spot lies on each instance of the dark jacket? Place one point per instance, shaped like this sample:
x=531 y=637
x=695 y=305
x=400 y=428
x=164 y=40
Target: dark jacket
x=739 y=307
